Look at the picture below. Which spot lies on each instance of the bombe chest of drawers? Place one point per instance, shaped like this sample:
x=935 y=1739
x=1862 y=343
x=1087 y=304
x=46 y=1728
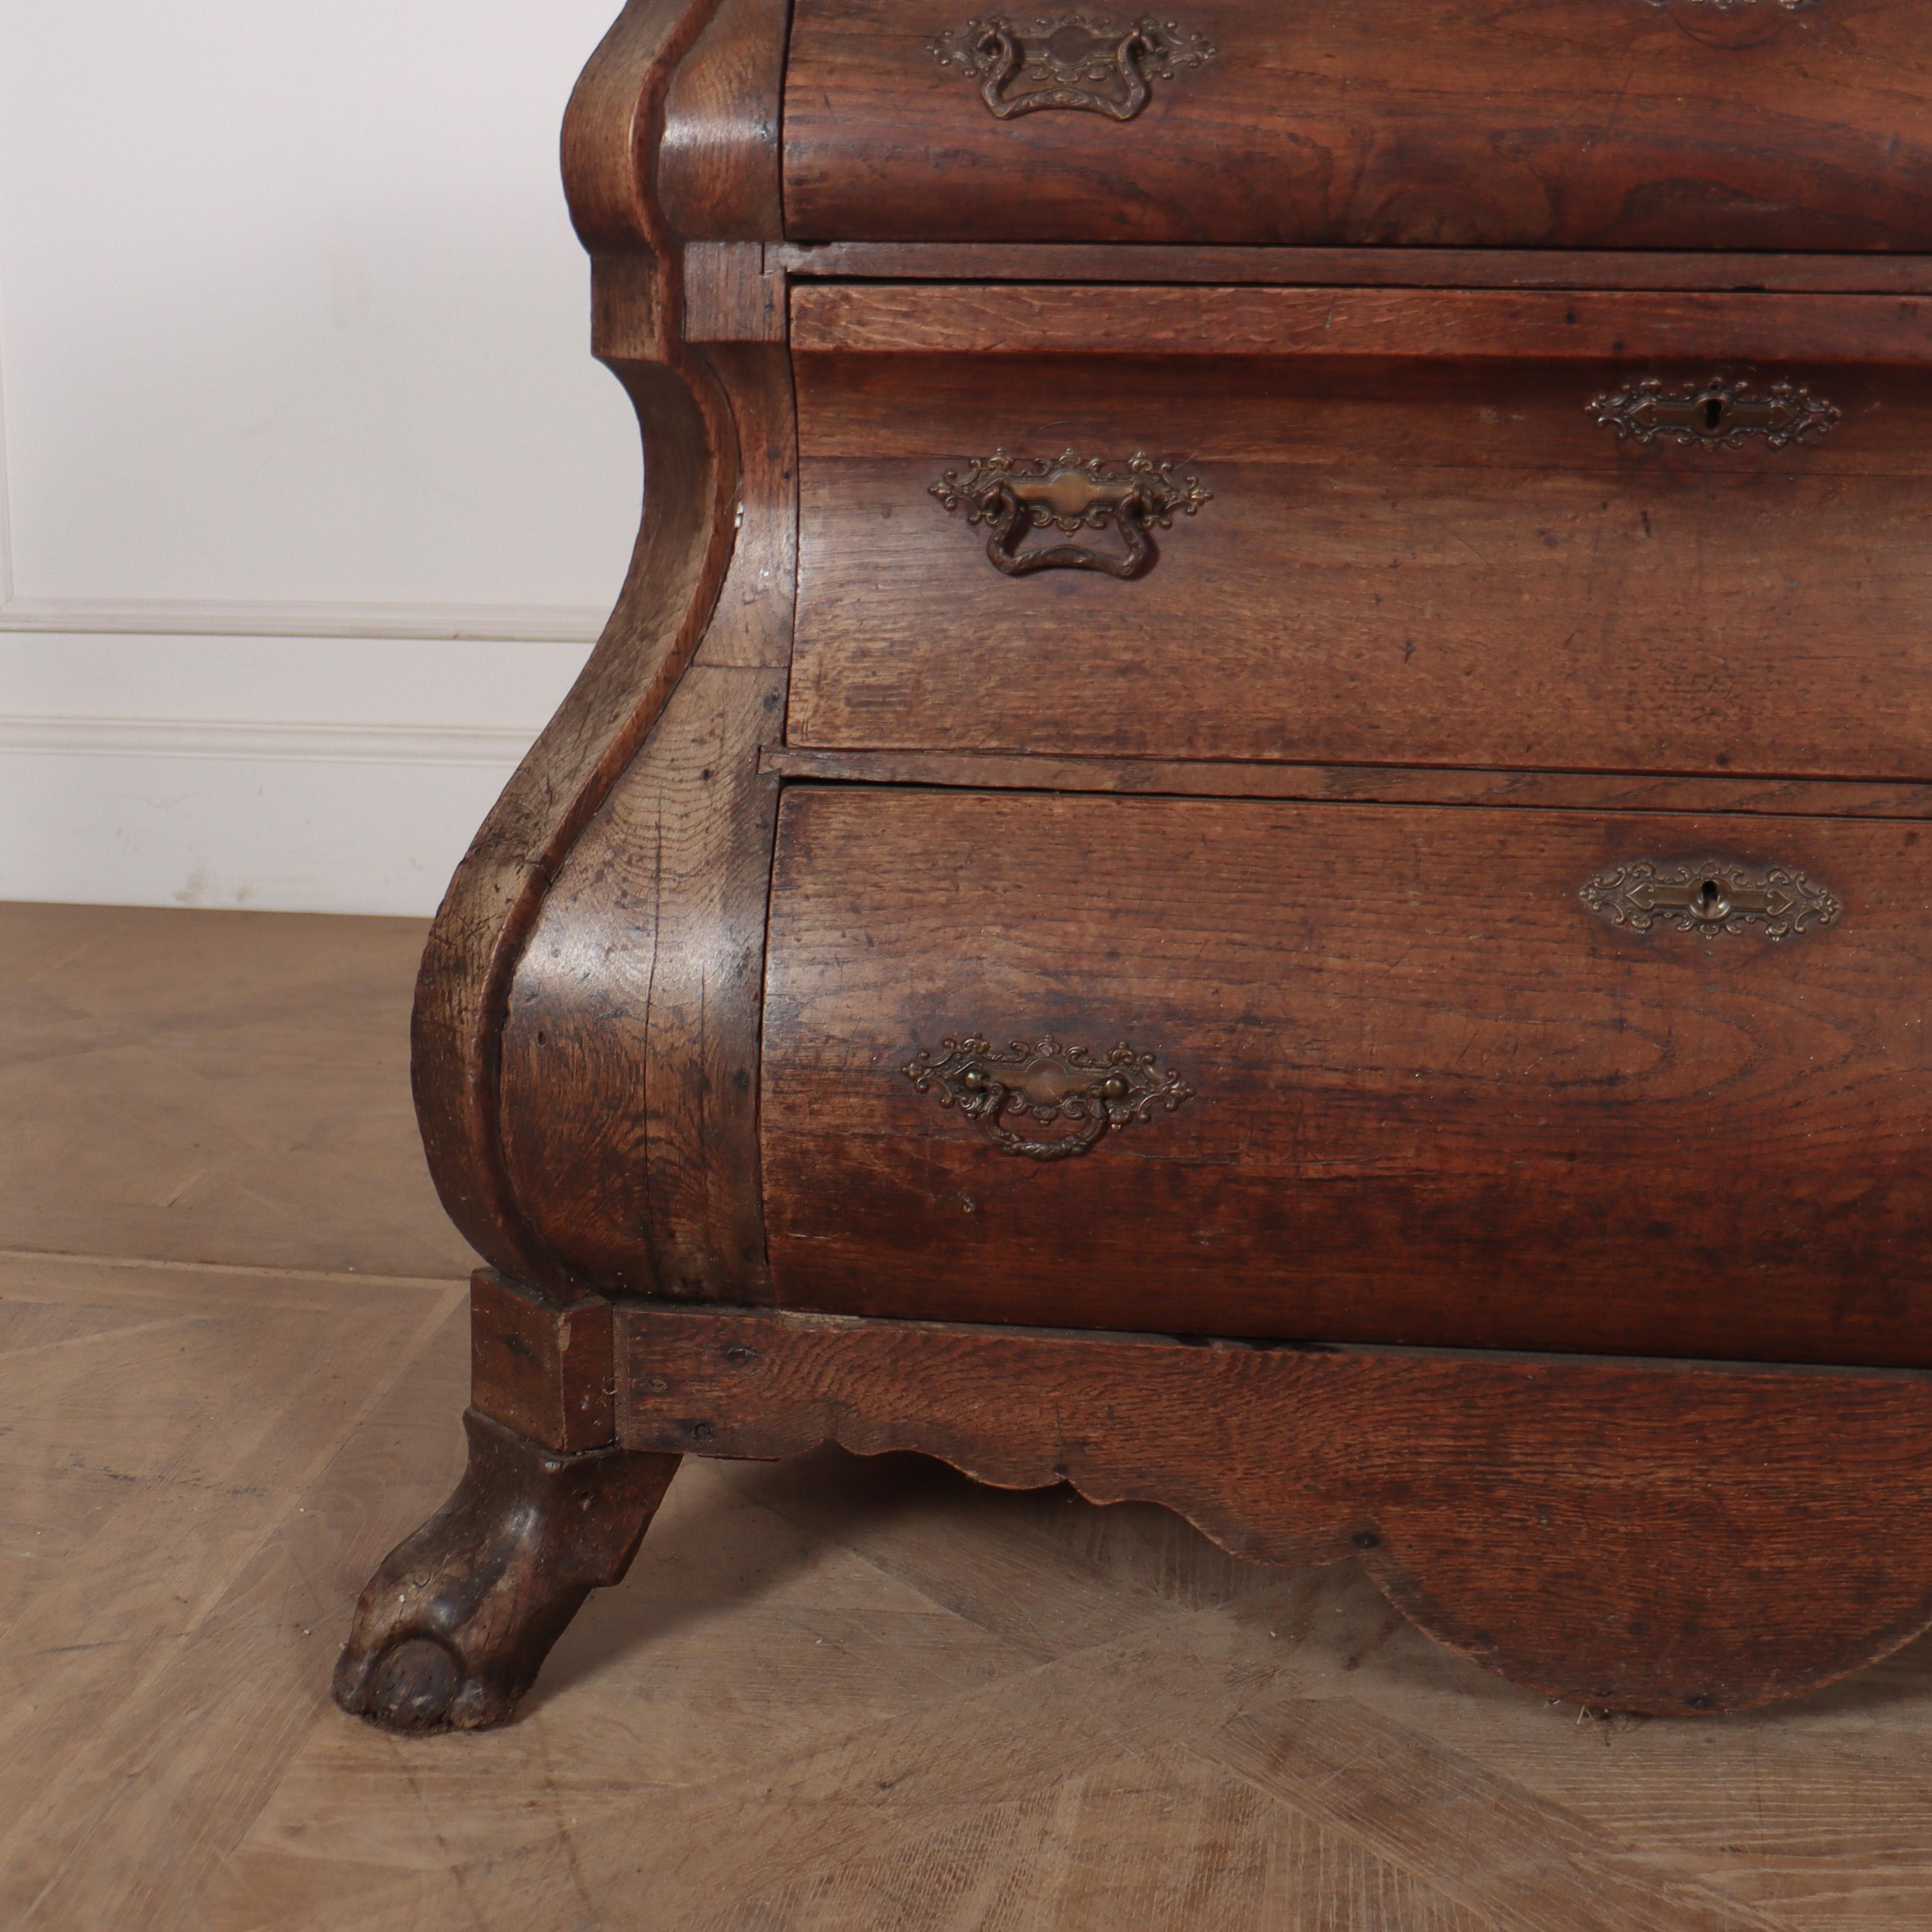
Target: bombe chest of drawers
x=1254 y=833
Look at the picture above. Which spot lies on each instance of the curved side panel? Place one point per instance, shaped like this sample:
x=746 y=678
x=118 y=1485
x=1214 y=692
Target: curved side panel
x=462 y=992
x=631 y=1047
x=1664 y=1538
x=718 y=167
x=612 y=129
x=615 y=122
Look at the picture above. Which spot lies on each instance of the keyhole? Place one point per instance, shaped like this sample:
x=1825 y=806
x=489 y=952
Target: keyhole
x=1714 y=411
x=1711 y=904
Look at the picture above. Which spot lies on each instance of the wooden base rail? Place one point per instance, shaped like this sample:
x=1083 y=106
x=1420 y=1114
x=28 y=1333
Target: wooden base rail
x=1661 y=1537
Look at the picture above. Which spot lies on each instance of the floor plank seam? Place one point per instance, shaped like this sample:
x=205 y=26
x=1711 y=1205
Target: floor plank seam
x=72 y=1258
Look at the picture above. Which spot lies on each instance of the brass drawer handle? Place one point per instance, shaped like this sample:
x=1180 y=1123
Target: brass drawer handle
x=1043 y=1080
x=1716 y=413
x=1014 y=495
x=1089 y=62
x=1711 y=896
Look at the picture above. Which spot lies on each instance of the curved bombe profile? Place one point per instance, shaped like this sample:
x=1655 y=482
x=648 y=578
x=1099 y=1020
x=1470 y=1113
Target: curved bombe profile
x=589 y=1059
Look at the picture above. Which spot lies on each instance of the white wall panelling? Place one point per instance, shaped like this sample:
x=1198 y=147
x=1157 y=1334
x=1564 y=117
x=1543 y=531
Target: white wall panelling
x=347 y=775
x=310 y=496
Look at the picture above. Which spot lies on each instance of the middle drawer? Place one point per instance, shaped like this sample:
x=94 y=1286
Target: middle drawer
x=1659 y=564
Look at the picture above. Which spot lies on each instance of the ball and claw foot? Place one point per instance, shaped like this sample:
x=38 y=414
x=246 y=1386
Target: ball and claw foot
x=455 y=1624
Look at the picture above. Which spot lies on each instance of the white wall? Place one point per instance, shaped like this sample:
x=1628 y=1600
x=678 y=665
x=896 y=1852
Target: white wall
x=311 y=498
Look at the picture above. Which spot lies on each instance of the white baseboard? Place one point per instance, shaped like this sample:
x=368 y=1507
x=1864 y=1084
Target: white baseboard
x=484 y=623
x=269 y=741
x=159 y=770
x=275 y=835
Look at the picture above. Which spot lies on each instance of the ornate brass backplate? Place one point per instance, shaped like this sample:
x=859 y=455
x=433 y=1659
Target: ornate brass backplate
x=1711 y=896
x=1041 y=1081
x=1091 y=63
x=1713 y=413
x=1014 y=494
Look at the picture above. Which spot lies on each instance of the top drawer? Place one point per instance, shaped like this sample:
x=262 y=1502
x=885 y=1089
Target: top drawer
x=1791 y=124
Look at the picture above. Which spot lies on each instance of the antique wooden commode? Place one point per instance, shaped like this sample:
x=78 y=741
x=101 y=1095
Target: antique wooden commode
x=1255 y=831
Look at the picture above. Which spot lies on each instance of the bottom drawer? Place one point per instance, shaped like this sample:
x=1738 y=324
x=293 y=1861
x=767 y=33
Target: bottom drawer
x=1453 y=1076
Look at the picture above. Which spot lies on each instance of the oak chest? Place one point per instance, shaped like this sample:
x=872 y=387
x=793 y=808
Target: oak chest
x=1250 y=834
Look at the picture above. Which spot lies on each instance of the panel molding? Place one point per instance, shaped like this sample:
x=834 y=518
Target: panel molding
x=498 y=623
x=490 y=747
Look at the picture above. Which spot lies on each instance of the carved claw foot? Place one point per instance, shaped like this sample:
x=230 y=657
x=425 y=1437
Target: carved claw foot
x=457 y=1622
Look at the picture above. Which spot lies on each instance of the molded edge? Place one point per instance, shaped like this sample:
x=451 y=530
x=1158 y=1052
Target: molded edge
x=1664 y=1538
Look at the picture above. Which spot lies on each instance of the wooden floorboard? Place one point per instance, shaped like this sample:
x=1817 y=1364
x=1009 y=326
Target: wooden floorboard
x=834 y=1696
x=213 y=1087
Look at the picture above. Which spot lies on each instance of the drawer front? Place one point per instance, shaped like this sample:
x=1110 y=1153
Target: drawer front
x=1597 y=123
x=1438 y=1076
x=1371 y=560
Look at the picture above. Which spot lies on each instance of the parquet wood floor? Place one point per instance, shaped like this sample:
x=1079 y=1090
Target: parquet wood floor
x=833 y=1696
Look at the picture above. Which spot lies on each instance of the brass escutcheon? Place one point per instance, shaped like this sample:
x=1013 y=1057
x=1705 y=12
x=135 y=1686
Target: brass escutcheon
x=1713 y=413
x=1090 y=63
x=1711 y=896
x=1042 y=1080
x=1013 y=495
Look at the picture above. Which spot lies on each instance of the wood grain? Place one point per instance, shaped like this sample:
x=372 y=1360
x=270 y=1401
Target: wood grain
x=1438 y=1100
x=1405 y=563
x=615 y=119
x=630 y=1049
x=147 y=1103
x=1607 y=1532
x=179 y=1488
x=679 y=560
x=1101 y=262
x=1367 y=784
x=728 y=297
x=850 y=1694
x=1432 y=1100
x=751 y=624
x=1575 y=124
x=1019 y=1771
x=717 y=155
x=1544 y=325
x=707 y=472
x=545 y=1373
